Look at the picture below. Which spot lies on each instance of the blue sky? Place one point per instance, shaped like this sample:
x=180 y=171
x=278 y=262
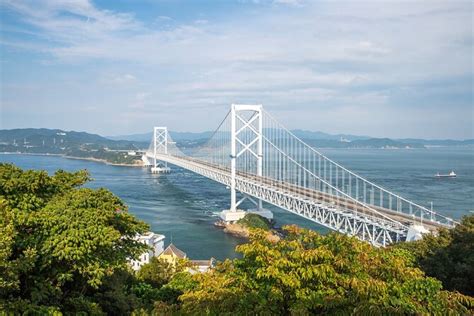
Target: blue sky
x=380 y=68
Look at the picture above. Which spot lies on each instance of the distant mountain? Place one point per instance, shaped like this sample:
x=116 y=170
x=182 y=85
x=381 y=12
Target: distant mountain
x=383 y=143
x=177 y=136
x=59 y=141
x=362 y=143
x=52 y=140
x=321 y=135
x=145 y=137
x=315 y=138
x=438 y=142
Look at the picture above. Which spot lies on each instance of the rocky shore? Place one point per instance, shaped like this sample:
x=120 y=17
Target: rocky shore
x=235 y=229
x=243 y=231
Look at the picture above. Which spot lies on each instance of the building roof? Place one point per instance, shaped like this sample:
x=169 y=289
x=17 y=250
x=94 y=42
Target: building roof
x=201 y=262
x=173 y=250
x=149 y=236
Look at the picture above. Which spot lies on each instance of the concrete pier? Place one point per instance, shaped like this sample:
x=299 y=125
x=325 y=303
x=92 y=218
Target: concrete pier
x=160 y=170
x=229 y=216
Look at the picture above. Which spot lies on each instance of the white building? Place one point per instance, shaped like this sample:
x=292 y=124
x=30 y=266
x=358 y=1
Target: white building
x=201 y=266
x=157 y=244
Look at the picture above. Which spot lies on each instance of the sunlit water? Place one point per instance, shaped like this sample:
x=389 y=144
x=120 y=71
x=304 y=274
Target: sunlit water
x=183 y=206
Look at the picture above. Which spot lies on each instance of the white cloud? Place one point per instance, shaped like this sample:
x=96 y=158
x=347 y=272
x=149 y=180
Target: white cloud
x=125 y=78
x=320 y=56
x=141 y=100
x=289 y=2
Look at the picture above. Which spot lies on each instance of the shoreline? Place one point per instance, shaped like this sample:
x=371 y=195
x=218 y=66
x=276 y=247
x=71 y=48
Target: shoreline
x=103 y=161
x=243 y=232
x=77 y=158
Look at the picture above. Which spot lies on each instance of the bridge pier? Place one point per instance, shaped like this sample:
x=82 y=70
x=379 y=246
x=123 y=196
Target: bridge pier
x=416 y=232
x=160 y=170
x=230 y=216
x=146 y=161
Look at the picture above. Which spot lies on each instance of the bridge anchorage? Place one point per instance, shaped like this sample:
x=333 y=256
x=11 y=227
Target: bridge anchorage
x=251 y=153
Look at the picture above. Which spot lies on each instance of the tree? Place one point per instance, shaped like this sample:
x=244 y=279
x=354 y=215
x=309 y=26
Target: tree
x=448 y=256
x=255 y=221
x=307 y=273
x=156 y=273
x=180 y=283
x=59 y=241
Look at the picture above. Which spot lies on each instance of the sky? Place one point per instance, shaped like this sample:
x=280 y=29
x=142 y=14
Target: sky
x=381 y=68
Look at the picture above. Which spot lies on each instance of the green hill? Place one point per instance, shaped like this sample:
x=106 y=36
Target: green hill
x=69 y=143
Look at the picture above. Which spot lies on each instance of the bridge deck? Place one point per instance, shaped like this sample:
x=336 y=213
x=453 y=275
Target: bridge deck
x=317 y=196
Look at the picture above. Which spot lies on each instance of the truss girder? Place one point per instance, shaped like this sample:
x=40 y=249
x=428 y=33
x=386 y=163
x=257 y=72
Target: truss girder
x=374 y=230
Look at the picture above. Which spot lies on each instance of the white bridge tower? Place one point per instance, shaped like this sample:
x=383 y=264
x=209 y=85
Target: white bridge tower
x=248 y=125
x=160 y=146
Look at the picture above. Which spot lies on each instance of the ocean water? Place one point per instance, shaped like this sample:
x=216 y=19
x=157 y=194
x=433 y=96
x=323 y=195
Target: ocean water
x=183 y=206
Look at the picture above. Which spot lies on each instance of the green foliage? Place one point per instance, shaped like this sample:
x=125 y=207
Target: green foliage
x=306 y=273
x=254 y=221
x=180 y=283
x=448 y=256
x=30 y=190
x=157 y=272
x=59 y=243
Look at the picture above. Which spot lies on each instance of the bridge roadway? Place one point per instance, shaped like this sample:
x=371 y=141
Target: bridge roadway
x=358 y=208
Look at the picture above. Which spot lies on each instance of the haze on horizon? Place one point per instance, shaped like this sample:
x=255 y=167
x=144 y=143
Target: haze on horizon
x=396 y=69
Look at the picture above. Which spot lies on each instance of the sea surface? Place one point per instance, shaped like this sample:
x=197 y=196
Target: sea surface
x=183 y=206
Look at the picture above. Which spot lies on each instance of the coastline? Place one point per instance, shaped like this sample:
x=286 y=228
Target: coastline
x=78 y=158
x=104 y=161
x=243 y=232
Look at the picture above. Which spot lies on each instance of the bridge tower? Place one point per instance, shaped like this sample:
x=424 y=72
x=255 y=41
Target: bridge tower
x=249 y=125
x=160 y=146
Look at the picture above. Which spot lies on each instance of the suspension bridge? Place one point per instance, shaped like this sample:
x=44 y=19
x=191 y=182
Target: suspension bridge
x=252 y=154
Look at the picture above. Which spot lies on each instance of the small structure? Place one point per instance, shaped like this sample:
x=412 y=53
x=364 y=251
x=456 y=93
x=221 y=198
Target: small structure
x=201 y=266
x=160 y=169
x=146 y=161
x=230 y=216
x=416 y=232
x=155 y=241
x=172 y=254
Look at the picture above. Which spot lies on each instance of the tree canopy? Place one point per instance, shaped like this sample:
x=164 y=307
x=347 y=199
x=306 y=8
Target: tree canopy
x=58 y=240
x=251 y=220
x=448 y=256
x=307 y=273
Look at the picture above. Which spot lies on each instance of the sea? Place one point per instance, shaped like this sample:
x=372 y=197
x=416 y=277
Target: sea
x=184 y=206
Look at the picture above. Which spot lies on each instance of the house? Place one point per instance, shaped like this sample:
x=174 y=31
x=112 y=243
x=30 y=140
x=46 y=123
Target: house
x=172 y=254
x=155 y=241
